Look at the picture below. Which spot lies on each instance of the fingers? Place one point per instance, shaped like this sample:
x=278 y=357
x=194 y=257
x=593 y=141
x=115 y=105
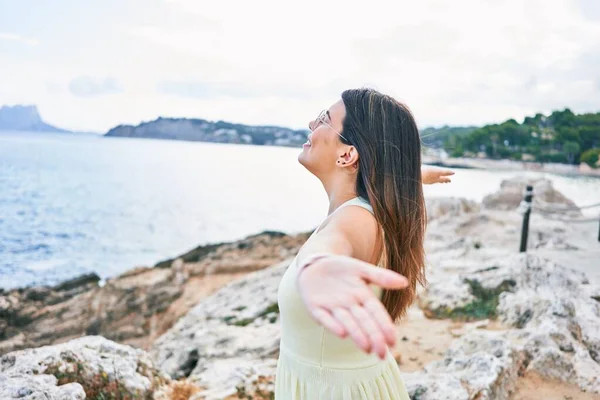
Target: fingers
x=440 y=175
x=384 y=322
x=328 y=321
x=347 y=306
x=383 y=277
x=344 y=317
x=372 y=329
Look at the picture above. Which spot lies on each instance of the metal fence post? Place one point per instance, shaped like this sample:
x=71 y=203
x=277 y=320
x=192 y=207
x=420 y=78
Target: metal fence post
x=527 y=211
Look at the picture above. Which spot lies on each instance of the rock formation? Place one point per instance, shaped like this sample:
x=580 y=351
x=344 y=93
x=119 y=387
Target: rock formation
x=24 y=118
x=210 y=321
x=139 y=305
x=207 y=131
x=85 y=366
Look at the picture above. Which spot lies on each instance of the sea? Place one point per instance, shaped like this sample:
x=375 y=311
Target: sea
x=72 y=204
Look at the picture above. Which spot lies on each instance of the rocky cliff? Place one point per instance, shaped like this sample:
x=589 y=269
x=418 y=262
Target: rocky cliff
x=139 y=305
x=24 y=118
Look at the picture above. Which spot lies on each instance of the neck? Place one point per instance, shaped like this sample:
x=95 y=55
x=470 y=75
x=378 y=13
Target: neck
x=339 y=190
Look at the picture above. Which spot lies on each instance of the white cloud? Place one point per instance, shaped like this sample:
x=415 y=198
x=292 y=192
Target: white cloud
x=85 y=86
x=271 y=62
x=473 y=53
x=18 y=38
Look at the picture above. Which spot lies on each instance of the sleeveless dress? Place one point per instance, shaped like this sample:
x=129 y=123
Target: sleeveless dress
x=314 y=364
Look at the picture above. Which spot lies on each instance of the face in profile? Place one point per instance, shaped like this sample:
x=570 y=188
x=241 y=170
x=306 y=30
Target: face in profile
x=324 y=151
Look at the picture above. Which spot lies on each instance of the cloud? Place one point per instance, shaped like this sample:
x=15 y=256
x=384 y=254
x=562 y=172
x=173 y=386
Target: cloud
x=590 y=9
x=85 y=86
x=205 y=90
x=512 y=56
x=272 y=62
x=18 y=38
x=251 y=89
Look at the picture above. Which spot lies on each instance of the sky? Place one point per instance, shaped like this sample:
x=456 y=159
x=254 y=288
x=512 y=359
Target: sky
x=94 y=64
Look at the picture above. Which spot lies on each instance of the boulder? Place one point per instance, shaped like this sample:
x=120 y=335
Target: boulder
x=228 y=340
x=545 y=197
x=552 y=315
x=89 y=365
x=480 y=365
x=34 y=387
x=449 y=206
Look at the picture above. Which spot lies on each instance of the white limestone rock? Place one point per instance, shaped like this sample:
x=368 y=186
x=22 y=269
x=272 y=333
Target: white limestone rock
x=37 y=387
x=227 y=335
x=86 y=357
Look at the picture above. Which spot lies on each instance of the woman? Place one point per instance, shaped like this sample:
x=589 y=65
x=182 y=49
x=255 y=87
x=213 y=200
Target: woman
x=337 y=308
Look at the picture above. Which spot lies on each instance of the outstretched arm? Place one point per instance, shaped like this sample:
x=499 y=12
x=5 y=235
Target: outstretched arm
x=335 y=272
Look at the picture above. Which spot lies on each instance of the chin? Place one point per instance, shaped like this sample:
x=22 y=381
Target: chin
x=303 y=159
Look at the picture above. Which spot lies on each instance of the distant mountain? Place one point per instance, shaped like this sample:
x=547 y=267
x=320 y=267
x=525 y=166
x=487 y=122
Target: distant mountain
x=206 y=131
x=24 y=118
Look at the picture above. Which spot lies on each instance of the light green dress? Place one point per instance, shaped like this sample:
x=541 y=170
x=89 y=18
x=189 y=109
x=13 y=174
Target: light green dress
x=314 y=364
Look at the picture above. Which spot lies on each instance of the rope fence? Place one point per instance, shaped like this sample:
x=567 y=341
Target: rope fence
x=563 y=207
x=526 y=206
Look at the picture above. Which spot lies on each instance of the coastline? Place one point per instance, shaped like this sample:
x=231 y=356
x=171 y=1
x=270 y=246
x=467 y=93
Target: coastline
x=511 y=165
x=207 y=321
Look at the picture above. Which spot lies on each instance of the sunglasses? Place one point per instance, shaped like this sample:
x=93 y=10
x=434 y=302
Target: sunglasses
x=323 y=119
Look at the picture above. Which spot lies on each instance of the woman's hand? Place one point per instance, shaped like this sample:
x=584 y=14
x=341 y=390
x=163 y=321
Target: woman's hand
x=336 y=293
x=431 y=175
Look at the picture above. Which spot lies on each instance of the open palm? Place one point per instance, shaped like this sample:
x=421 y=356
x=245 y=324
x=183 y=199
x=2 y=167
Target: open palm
x=336 y=292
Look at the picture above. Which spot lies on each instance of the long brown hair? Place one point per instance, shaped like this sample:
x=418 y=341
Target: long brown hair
x=386 y=136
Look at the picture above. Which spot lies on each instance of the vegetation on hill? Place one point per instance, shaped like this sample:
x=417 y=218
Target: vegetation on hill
x=562 y=137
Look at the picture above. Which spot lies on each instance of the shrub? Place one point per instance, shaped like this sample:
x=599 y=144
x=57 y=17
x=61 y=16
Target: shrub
x=590 y=157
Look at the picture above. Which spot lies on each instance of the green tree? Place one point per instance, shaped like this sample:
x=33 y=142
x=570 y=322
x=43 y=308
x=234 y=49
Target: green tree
x=571 y=149
x=589 y=136
x=560 y=137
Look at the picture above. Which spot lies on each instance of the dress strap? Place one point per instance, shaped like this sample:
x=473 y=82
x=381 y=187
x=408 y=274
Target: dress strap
x=357 y=201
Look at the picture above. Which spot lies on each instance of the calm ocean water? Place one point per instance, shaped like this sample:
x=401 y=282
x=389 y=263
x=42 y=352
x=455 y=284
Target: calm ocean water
x=74 y=204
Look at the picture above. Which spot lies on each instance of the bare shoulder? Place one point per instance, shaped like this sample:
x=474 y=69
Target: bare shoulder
x=359 y=227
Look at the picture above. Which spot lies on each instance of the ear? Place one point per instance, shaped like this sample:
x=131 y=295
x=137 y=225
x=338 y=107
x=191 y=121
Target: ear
x=348 y=158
